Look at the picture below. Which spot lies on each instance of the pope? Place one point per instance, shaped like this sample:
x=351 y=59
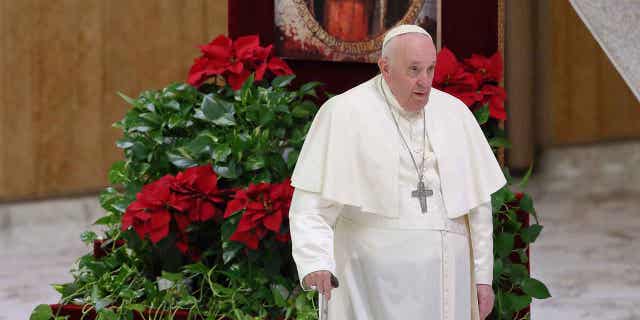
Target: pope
x=393 y=196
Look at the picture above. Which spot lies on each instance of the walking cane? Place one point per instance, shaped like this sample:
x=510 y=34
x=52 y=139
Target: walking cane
x=323 y=304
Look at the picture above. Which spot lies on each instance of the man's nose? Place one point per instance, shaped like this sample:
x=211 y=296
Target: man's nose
x=424 y=78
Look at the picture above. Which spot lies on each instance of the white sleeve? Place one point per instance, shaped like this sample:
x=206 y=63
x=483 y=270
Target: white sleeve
x=481 y=228
x=311 y=222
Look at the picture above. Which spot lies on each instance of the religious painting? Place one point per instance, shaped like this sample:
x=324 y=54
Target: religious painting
x=347 y=30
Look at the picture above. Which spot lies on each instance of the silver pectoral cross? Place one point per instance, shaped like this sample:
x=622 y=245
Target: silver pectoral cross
x=422 y=193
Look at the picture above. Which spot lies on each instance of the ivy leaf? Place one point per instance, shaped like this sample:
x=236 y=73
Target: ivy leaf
x=498 y=267
x=526 y=204
x=41 y=312
x=218 y=111
x=525 y=179
x=282 y=81
x=530 y=234
x=482 y=114
x=516 y=303
x=535 y=288
x=501 y=196
x=503 y=244
x=106 y=314
x=88 y=237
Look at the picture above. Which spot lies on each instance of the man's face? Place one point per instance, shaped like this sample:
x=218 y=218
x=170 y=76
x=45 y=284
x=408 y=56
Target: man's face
x=409 y=70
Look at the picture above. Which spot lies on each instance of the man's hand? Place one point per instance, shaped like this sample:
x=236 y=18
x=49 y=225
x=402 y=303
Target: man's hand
x=485 y=300
x=321 y=280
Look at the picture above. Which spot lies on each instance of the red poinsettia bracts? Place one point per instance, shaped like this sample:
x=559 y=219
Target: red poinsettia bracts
x=235 y=61
x=149 y=213
x=191 y=196
x=266 y=207
x=473 y=81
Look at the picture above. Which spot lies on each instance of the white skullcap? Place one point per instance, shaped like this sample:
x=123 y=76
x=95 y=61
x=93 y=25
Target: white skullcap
x=402 y=29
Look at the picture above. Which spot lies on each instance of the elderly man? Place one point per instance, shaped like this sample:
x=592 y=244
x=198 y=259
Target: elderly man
x=393 y=196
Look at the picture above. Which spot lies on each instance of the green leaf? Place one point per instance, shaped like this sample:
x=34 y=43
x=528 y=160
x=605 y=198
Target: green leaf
x=41 y=312
x=282 y=81
x=88 y=237
x=136 y=307
x=220 y=152
x=518 y=272
x=300 y=112
x=102 y=303
x=218 y=111
x=124 y=143
x=181 y=159
x=507 y=175
x=525 y=179
x=498 y=267
x=126 y=98
x=500 y=197
x=172 y=276
x=503 y=244
x=522 y=254
x=309 y=88
x=230 y=250
x=292 y=158
x=152 y=117
x=535 y=288
x=266 y=116
x=526 y=204
x=254 y=162
x=118 y=173
x=516 y=302
x=530 y=234
x=482 y=114
x=230 y=171
x=277 y=296
x=106 y=314
x=174 y=105
x=500 y=142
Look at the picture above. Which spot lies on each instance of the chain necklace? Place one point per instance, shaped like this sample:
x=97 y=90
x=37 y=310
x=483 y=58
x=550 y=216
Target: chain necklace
x=421 y=192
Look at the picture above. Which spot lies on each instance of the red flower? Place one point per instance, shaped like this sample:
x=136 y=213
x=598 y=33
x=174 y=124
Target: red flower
x=451 y=77
x=495 y=97
x=192 y=196
x=486 y=69
x=149 y=213
x=266 y=207
x=197 y=189
x=235 y=61
x=279 y=67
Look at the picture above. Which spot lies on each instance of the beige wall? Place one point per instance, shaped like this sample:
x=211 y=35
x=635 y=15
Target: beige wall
x=61 y=64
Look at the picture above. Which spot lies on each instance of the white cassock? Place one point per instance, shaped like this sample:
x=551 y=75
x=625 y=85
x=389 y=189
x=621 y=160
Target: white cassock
x=399 y=263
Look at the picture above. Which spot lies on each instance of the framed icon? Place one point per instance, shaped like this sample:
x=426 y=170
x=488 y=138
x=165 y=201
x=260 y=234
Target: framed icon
x=347 y=30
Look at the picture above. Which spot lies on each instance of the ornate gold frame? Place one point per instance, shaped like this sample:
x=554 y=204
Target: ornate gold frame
x=360 y=47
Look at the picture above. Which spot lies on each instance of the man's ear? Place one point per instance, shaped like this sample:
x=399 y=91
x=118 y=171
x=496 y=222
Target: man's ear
x=383 y=65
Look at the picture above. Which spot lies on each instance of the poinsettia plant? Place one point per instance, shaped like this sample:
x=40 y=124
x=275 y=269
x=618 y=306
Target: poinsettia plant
x=197 y=214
